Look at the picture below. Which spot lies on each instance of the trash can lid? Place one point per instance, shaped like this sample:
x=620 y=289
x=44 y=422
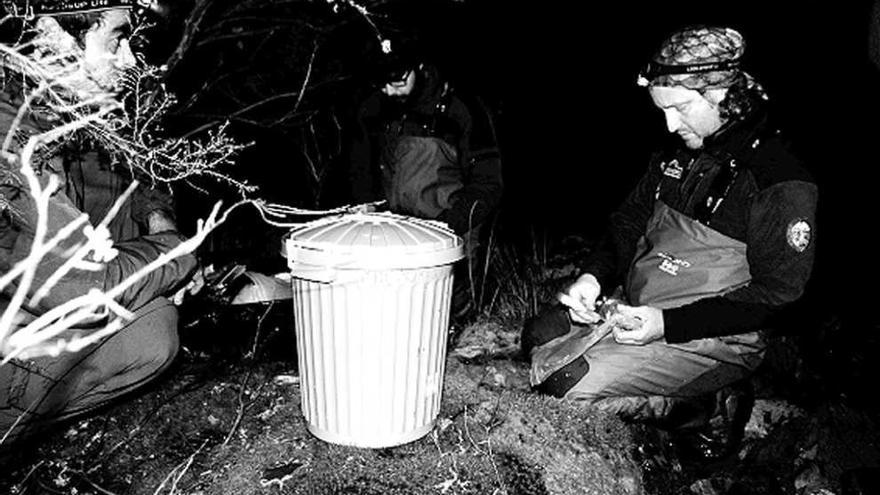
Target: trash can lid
x=373 y=241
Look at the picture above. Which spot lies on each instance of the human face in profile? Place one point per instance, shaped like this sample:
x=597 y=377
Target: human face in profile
x=692 y=115
x=107 y=53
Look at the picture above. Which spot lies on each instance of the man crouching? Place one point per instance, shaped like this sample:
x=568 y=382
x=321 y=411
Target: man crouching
x=84 y=45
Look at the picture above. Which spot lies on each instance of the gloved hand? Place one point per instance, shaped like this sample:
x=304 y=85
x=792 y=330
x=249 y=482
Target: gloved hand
x=580 y=297
x=637 y=325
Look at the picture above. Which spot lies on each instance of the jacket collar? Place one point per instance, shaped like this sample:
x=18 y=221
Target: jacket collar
x=738 y=135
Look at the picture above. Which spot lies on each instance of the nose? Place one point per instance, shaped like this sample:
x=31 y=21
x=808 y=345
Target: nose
x=673 y=122
x=124 y=56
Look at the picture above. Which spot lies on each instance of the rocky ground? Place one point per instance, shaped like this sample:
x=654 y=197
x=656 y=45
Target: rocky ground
x=226 y=420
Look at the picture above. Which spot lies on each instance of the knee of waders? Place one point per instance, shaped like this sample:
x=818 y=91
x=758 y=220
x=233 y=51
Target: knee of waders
x=564 y=379
x=154 y=333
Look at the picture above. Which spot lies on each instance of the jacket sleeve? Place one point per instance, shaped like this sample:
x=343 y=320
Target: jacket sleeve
x=611 y=258
x=781 y=247
x=132 y=255
x=137 y=253
x=481 y=160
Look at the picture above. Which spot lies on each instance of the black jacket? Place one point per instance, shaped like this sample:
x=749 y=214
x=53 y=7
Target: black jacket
x=435 y=110
x=18 y=218
x=762 y=197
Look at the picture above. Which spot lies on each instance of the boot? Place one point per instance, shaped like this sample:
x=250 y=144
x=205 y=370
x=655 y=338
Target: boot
x=550 y=323
x=721 y=436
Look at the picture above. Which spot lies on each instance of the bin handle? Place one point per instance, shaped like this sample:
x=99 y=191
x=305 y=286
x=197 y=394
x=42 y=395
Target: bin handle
x=324 y=274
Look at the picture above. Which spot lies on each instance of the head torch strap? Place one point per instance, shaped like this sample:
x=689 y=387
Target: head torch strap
x=61 y=7
x=654 y=69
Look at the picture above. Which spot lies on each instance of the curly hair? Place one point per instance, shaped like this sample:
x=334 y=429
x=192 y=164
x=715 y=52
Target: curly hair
x=743 y=97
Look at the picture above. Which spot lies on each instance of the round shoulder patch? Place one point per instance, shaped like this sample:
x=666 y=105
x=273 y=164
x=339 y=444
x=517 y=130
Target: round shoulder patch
x=799 y=234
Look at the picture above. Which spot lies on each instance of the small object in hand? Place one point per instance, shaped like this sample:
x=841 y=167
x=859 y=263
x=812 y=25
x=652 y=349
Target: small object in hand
x=576 y=306
x=624 y=322
x=606 y=307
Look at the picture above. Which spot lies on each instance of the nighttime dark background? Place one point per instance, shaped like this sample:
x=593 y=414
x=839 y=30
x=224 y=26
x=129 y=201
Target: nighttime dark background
x=575 y=131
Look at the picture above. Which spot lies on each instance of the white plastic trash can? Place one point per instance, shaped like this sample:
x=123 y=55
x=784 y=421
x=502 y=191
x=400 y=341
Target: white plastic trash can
x=371 y=298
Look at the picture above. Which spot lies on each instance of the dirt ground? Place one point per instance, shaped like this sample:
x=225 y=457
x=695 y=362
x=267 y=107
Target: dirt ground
x=226 y=420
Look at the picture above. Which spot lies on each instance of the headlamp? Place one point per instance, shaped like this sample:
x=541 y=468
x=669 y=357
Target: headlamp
x=61 y=7
x=655 y=69
x=398 y=76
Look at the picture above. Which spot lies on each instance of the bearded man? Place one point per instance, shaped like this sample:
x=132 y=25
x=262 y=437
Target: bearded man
x=717 y=236
x=85 y=43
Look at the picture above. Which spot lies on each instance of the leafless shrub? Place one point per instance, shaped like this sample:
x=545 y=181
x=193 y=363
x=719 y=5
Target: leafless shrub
x=48 y=86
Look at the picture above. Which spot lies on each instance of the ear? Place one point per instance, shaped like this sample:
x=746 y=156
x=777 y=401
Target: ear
x=716 y=95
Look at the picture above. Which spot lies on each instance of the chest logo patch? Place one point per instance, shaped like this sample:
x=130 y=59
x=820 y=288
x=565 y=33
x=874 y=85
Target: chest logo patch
x=673 y=169
x=799 y=234
x=670 y=264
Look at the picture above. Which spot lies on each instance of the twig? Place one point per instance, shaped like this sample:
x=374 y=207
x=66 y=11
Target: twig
x=305 y=82
x=27 y=276
x=487 y=264
x=62 y=234
x=84 y=307
x=193 y=23
x=259 y=327
x=22 y=110
x=241 y=408
x=48 y=489
x=183 y=467
x=82 y=251
x=30 y=472
x=365 y=14
x=203 y=228
x=238 y=34
x=243 y=110
x=488 y=451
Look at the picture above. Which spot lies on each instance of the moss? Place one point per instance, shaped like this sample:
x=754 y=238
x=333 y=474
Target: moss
x=226 y=429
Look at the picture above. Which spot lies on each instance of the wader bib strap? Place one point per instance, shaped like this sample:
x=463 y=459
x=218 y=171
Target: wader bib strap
x=678 y=261
x=420 y=175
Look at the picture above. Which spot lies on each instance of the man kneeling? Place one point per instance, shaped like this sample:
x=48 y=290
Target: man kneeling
x=92 y=37
x=714 y=239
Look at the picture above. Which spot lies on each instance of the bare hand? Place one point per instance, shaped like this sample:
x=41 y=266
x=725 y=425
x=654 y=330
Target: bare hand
x=580 y=298
x=195 y=285
x=637 y=325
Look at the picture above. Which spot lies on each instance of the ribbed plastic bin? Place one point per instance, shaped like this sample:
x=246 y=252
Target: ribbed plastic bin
x=371 y=296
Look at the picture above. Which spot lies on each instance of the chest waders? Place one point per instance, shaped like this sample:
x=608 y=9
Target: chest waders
x=420 y=176
x=677 y=261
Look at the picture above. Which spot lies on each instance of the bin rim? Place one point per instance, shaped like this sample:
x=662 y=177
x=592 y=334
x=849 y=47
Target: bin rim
x=303 y=251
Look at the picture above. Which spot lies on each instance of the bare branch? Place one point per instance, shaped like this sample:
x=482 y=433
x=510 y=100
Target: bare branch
x=193 y=23
x=305 y=83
